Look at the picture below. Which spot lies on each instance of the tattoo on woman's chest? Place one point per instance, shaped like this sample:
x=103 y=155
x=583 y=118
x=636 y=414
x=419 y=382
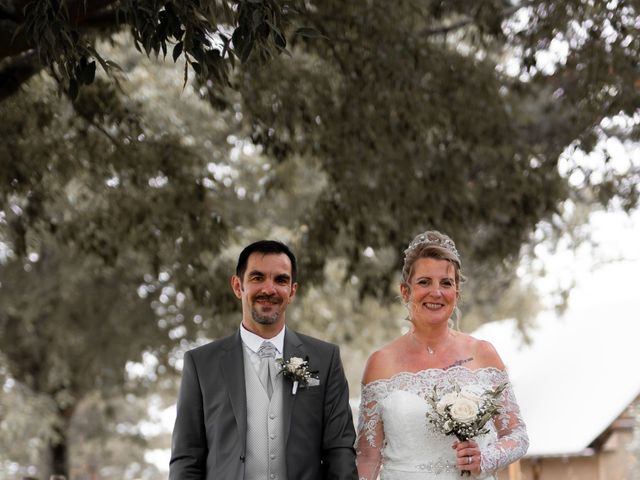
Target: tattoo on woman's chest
x=460 y=362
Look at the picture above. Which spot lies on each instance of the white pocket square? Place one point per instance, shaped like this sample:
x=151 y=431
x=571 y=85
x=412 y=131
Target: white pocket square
x=313 y=382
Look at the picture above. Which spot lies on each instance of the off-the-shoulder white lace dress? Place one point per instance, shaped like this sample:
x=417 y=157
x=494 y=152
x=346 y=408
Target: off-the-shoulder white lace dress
x=396 y=440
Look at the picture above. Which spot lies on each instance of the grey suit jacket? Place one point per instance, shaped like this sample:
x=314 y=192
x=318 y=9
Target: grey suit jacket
x=209 y=436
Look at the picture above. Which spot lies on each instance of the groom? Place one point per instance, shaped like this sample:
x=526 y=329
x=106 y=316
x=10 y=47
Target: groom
x=237 y=418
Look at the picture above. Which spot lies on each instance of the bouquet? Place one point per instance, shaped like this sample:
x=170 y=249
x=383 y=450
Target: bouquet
x=462 y=413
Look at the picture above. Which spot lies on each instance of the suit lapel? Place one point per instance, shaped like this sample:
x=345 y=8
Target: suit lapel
x=233 y=372
x=293 y=347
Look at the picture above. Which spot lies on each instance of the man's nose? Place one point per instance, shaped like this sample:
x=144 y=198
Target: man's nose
x=269 y=286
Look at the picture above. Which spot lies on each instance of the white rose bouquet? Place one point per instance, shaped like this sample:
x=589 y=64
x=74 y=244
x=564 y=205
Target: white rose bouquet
x=297 y=370
x=462 y=413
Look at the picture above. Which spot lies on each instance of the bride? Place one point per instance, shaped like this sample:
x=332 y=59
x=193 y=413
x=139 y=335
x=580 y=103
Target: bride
x=395 y=436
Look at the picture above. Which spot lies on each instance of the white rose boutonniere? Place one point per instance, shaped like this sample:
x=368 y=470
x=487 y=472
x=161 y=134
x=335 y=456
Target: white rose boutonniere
x=297 y=370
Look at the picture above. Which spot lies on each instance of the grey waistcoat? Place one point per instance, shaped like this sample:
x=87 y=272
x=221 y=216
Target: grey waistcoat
x=265 y=436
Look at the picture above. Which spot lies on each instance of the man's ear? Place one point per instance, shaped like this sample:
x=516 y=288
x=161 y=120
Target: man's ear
x=294 y=289
x=236 y=285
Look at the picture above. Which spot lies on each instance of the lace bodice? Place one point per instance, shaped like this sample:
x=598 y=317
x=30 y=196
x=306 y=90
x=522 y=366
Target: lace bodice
x=393 y=430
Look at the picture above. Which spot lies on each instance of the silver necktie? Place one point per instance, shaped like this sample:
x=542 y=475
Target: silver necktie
x=267 y=354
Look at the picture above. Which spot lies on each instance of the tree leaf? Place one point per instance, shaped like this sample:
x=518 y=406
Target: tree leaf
x=73 y=89
x=177 y=51
x=89 y=73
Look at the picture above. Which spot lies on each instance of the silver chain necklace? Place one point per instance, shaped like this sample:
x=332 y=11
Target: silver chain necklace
x=430 y=350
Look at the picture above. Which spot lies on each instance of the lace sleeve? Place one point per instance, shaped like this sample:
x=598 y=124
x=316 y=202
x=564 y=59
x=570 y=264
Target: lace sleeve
x=512 y=442
x=370 y=439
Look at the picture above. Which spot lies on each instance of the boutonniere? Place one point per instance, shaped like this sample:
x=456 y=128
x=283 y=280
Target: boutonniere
x=297 y=370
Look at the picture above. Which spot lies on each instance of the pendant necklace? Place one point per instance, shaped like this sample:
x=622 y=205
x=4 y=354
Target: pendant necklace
x=429 y=349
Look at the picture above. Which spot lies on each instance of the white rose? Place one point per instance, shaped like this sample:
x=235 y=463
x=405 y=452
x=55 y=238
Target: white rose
x=464 y=410
x=295 y=362
x=447 y=399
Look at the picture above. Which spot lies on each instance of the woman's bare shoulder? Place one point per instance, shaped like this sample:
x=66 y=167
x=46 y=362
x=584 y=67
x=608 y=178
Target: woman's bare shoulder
x=480 y=353
x=486 y=354
x=383 y=363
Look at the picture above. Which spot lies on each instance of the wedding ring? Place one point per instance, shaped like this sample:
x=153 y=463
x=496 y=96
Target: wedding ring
x=470 y=460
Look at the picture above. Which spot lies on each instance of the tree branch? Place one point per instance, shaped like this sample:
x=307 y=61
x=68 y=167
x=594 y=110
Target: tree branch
x=507 y=12
x=17 y=70
x=81 y=12
x=23 y=63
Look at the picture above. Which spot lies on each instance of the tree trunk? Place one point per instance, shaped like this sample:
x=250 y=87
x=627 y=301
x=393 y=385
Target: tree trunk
x=59 y=447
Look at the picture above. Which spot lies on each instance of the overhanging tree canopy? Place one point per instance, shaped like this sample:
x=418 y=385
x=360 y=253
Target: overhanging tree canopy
x=417 y=115
x=209 y=35
x=418 y=121
x=393 y=119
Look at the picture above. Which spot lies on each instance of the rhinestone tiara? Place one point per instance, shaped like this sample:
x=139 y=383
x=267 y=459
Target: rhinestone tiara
x=432 y=238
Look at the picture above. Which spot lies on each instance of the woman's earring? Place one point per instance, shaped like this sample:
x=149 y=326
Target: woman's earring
x=454 y=321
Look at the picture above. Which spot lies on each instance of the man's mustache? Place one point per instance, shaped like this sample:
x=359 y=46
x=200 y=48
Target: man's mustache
x=269 y=298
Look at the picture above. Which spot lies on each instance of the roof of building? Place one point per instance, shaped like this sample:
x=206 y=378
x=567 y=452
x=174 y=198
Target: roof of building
x=581 y=370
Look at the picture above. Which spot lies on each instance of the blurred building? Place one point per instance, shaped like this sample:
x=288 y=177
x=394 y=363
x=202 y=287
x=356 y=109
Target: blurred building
x=607 y=457
x=578 y=387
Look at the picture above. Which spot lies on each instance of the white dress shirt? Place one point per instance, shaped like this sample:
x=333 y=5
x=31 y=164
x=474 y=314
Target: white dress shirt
x=252 y=342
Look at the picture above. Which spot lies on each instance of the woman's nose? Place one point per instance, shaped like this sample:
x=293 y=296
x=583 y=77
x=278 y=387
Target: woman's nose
x=435 y=291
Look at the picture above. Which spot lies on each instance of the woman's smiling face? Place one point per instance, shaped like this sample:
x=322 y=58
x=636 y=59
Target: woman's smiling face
x=431 y=293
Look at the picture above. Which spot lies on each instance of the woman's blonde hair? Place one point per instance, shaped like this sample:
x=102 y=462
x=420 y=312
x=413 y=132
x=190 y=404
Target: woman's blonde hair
x=432 y=244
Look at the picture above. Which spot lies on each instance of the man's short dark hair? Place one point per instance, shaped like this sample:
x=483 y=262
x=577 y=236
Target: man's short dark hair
x=265 y=247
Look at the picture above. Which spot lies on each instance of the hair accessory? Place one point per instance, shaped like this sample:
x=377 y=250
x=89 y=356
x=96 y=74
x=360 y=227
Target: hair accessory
x=432 y=238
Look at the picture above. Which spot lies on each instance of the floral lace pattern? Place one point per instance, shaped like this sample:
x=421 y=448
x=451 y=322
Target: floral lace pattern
x=393 y=431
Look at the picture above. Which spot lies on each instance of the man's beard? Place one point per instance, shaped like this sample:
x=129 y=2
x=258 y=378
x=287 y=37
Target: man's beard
x=266 y=319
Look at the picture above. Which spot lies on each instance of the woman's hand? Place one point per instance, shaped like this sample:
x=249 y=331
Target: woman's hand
x=468 y=456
